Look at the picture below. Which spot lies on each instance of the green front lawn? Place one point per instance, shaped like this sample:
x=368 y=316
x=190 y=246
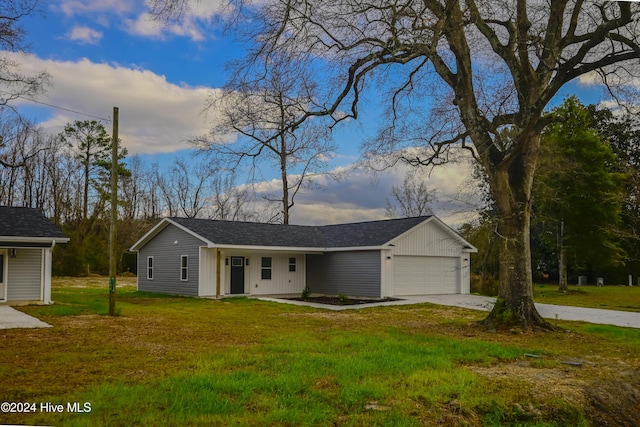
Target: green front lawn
x=625 y=298
x=186 y=361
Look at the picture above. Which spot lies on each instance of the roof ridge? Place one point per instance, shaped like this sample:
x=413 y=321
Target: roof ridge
x=422 y=217
x=351 y=234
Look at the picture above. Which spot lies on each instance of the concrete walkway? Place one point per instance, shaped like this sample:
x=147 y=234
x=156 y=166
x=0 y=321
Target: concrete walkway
x=475 y=302
x=11 y=318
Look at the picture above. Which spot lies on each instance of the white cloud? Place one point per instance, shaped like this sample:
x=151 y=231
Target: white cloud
x=590 y=79
x=629 y=78
x=145 y=26
x=155 y=115
x=137 y=20
x=362 y=196
x=191 y=24
x=205 y=9
x=84 y=7
x=322 y=214
x=85 y=35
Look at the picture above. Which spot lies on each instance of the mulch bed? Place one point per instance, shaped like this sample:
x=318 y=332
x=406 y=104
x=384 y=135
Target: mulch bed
x=342 y=301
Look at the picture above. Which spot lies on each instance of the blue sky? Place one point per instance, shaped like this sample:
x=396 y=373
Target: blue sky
x=106 y=53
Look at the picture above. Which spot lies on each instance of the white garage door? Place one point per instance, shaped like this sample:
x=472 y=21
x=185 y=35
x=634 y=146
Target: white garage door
x=418 y=275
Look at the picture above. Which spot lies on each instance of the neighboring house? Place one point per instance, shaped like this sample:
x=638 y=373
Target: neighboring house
x=411 y=256
x=26 y=240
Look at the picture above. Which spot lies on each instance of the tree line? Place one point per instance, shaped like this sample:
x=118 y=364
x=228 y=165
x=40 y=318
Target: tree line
x=66 y=176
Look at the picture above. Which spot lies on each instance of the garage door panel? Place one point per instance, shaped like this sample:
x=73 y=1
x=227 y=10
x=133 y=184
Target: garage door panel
x=414 y=275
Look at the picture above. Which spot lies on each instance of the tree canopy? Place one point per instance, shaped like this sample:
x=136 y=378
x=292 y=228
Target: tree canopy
x=578 y=194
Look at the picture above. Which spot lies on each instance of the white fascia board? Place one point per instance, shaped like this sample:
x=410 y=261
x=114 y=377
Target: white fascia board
x=357 y=248
x=19 y=239
x=289 y=249
x=161 y=226
x=148 y=235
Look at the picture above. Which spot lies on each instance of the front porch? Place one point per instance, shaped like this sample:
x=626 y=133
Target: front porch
x=249 y=273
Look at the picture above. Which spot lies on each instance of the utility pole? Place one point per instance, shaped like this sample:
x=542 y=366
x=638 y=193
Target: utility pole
x=113 y=230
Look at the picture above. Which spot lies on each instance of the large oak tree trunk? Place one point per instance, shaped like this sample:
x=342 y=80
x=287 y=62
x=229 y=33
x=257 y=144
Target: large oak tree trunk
x=511 y=183
x=562 y=261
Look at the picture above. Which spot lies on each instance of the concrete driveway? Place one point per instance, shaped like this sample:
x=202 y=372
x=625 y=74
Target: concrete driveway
x=11 y=318
x=626 y=319
x=475 y=302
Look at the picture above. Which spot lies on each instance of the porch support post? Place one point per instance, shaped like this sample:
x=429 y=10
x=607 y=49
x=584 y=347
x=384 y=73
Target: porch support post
x=217 y=273
x=46 y=275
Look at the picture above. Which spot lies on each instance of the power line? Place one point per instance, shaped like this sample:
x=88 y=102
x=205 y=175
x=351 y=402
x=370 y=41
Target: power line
x=57 y=107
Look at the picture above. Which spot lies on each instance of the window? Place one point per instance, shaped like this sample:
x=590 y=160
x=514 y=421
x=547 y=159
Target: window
x=150 y=268
x=184 y=268
x=266 y=268
x=292 y=264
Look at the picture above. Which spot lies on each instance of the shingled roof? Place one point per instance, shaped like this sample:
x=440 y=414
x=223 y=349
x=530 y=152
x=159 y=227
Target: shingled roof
x=358 y=234
x=28 y=223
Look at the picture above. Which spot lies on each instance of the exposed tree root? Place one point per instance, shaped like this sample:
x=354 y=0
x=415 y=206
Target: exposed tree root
x=524 y=318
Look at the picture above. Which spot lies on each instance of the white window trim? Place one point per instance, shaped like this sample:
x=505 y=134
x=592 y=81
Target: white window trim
x=185 y=269
x=150 y=269
x=270 y=268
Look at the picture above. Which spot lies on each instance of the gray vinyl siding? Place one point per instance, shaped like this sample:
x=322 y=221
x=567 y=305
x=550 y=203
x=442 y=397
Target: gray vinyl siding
x=356 y=273
x=24 y=275
x=167 y=257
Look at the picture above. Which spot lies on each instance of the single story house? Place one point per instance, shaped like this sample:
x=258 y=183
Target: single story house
x=27 y=238
x=376 y=259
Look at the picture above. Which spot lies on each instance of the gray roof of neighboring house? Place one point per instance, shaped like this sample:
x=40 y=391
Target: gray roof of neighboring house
x=29 y=223
x=359 y=234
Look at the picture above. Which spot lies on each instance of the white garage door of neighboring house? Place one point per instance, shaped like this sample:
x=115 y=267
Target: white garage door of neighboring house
x=419 y=275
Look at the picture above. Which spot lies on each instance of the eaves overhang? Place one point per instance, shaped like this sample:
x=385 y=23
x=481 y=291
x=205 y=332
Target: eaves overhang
x=36 y=240
x=264 y=248
x=356 y=248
